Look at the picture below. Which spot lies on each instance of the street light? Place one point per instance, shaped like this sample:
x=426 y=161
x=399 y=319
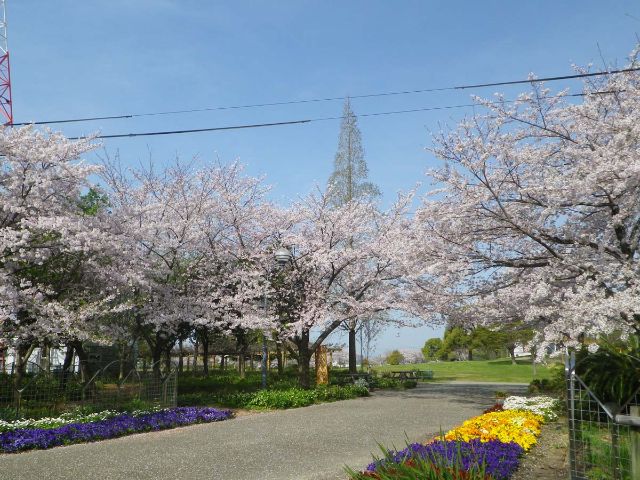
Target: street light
x=282 y=256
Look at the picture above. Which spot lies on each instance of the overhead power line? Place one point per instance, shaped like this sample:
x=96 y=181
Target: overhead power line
x=196 y=130
x=318 y=119
x=328 y=99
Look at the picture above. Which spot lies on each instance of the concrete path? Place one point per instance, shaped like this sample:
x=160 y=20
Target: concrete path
x=302 y=444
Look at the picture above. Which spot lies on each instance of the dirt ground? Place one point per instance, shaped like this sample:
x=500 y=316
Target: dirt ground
x=548 y=460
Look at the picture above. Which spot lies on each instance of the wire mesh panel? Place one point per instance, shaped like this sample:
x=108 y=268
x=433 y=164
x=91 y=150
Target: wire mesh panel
x=603 y=438
x=39 y=392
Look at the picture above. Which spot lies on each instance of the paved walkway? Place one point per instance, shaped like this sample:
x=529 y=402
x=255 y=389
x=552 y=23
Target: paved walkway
x=302 y=444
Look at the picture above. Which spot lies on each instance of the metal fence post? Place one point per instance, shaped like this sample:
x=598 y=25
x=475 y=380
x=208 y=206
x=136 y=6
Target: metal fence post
x=634 y=411
x=615 y=451
x=569 y=367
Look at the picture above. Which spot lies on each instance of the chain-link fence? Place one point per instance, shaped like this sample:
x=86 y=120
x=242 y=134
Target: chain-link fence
x=43 y=392
x=604 y=438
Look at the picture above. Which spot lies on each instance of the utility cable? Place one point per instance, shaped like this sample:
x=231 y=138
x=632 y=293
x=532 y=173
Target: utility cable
x=328 y=99
x=319 y=119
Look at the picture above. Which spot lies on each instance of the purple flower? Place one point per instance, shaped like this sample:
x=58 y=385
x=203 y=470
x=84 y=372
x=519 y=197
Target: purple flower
x=117 y=426
x=498 y=459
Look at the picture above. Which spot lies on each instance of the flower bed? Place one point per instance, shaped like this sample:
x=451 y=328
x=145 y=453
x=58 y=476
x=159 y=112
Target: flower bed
x=478 y=459
x=486 y=447
x=517 y=426
x=65 y=419
x=116 y=426
x=546 y=407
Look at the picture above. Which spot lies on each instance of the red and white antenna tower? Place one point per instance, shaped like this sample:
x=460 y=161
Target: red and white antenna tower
x=6 y=108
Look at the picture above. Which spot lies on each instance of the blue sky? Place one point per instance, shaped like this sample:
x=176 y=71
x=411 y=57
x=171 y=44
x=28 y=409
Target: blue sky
x=109 y=57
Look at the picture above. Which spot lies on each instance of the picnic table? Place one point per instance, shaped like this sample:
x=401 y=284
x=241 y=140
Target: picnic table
x=411 y=374
x=344 y=378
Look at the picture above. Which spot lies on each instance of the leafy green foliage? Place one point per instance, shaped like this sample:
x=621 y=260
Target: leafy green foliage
x=420 y=468
x=456 y=344
x=432 y=348
x=554 y=385
x=395 y=358
x=295 y=397
x=275 y=399
x=612 y=373
x=92 y=202
x=385 y=382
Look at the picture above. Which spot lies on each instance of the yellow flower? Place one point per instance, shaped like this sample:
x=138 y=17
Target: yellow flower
x=519 y=426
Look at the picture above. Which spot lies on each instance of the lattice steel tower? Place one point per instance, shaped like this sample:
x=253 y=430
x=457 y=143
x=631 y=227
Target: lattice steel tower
x=6 y=107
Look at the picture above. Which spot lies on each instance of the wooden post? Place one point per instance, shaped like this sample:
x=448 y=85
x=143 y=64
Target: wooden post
x=269 y=361
x=322 y=372
x=634 y=448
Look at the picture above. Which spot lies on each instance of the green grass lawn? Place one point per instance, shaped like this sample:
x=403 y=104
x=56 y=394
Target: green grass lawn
x=500 y=370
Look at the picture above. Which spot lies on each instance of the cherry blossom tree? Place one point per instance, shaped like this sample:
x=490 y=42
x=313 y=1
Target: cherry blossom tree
x=343 y=268
x=536 y=214
x=56 y=249
x=199 y=240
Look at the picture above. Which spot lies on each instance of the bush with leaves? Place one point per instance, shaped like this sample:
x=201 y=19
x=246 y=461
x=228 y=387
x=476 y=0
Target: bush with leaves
x=612 y=373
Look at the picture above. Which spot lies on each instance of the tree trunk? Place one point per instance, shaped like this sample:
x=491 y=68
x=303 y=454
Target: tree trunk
x=279 y=359
x=222 y=357
x=66 y=365
x=22 y=357
x=512 y=353
x=121 y=359
x=304 y=358
x=83 y=358
x=533 y=361
x=241 y=365
x=196 y=346
x=204 y=339
x=470 y=354
x=167 y=358
x=353 y=361
x=180 y=356
x=156 y=358
x=45 y=358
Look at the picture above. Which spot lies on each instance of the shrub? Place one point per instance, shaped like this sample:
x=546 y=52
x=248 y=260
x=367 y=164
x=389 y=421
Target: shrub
x=276 y=399
x=361 y=382
x=194 y=399
x=409 y=384
x=555 y=385
x=613 y=374
x=235 y=400
x=385 y=382
x=295 y=397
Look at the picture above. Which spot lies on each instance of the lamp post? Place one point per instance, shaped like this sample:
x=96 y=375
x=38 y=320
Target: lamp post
x=282 y=256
